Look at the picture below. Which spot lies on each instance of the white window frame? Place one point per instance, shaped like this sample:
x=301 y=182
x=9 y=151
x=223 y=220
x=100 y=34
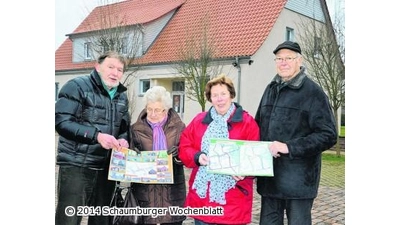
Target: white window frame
x=124 y=47
x=144 y=85
x=87 y=50
x=289 y=35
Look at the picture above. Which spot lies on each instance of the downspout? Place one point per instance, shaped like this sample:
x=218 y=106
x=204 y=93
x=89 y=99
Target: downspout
x=239 y=78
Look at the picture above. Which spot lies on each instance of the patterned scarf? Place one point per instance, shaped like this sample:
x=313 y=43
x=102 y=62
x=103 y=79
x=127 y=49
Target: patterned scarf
x=159 y=139
x=219 y=183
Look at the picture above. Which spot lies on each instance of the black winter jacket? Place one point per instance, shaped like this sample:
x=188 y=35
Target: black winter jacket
x=84 y=107
x=297 y=113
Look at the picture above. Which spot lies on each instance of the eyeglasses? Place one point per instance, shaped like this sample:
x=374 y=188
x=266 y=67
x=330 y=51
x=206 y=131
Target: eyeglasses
x=155 y=111
x=287 y=59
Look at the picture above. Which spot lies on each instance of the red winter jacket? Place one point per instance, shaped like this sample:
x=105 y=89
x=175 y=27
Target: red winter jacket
x=237 y=210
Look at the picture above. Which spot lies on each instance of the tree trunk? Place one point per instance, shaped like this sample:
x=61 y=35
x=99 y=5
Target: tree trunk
x=337 y=147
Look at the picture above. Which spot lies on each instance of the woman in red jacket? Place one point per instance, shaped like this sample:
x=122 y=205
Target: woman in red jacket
x=225 y=119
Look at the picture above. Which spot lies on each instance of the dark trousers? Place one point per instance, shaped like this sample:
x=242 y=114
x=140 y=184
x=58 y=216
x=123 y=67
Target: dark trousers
x=82 y=187
x=298 y=211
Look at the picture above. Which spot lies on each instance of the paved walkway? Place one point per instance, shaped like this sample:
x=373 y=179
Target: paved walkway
x=328 y=208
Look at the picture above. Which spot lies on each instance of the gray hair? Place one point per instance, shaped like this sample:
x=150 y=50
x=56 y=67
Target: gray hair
x=158 y=94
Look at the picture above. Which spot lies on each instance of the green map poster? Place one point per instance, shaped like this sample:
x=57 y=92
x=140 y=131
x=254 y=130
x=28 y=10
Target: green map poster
x=150 y=167
x=242 y=158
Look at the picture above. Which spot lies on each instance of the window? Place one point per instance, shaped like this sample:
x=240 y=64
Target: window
x=57 y=88
x=178 y=103
x=124 y=46
x=87 y=50
x=124 y=49
x=178 y=86
x=178 y=96
x=106 y=48
x=317 y=47
x=144 y=86
x=289 y=34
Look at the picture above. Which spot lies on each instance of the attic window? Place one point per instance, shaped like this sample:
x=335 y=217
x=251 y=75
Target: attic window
x=317 y=47
x=87 y=50
x=124 y=46
x=289 y=34
x=106 y=48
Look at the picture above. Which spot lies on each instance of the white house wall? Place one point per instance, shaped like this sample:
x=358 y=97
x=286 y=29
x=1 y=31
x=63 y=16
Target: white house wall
x=254 y=77
x=78 y=42
x=78 y=49
x=161 y=75
x=153 y=29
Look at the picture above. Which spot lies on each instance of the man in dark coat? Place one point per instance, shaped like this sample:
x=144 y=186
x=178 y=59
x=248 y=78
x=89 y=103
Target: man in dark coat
x=91 y=117
x=295 y=115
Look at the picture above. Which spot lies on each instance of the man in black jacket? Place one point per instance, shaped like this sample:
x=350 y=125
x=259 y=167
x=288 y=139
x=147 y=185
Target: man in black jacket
x=295 y=115
x=91 y=118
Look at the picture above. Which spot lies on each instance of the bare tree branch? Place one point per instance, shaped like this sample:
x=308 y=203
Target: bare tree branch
x=324 y=58
x=197 y=63
x=116 y=34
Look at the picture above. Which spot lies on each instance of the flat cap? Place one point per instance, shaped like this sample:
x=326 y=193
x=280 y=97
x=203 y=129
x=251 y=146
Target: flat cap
x=288 y=45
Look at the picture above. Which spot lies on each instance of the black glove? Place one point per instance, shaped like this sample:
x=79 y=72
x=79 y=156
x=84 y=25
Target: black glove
x=173 y=151
x=136 y=150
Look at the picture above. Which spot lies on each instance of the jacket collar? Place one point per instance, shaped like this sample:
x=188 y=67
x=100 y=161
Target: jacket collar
x=97 y=79
x=236 y=117
x=294 y=83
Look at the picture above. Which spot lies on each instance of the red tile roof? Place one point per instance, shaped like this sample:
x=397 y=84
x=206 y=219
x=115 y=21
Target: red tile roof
x=128 y=12
x=238 y=28
x=63 y=58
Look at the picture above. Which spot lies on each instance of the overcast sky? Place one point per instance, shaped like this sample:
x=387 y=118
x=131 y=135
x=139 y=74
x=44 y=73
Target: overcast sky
x=69 y=14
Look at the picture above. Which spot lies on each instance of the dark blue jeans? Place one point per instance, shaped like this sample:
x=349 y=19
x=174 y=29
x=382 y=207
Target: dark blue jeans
x=298 y=211
x=82 y=187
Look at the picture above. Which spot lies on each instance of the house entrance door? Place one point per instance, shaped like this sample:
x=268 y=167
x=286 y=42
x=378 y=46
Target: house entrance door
x=178 y=103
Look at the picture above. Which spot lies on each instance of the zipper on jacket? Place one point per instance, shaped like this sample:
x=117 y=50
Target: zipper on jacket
x=242 y=189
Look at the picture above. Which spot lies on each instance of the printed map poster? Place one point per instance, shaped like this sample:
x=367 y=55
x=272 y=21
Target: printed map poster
x=150 y=167
x=237 y=157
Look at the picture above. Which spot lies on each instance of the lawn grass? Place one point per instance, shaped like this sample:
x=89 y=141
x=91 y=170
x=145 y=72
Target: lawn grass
x=342 y=131
x=333 y=170
x=333 y=158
